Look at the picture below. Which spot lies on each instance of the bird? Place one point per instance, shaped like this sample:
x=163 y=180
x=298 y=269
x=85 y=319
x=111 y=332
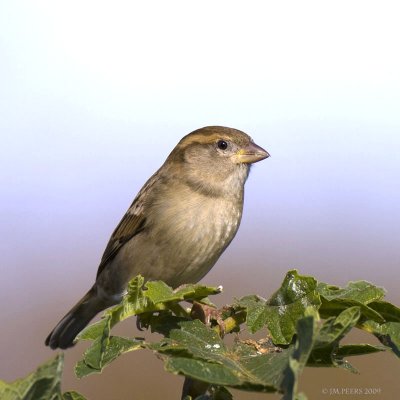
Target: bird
x=178 y=225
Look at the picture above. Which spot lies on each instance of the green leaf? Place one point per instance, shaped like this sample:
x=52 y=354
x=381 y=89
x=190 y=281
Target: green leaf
x=138 y=301
x=162 y=322
x=196 y=351
x=330 y=334
x=389 y=311
x=216 y=393
x=283 y=309
x=133 y=303
x=198 y=339
x=105 y=349
x=213 y=393
x=220 y=393
x=96 y=357
x=94 y=331
x=159 y=292
x=358 y=350
x=43 y=384
x=300 y=396
x=388 y=334
x=360 y=291
x=334 y=307
x=360 y=294
x=334 y=329
x=307 y=331
x=73 y=396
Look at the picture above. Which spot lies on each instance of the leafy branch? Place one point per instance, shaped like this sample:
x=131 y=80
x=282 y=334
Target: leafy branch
x=304 y=323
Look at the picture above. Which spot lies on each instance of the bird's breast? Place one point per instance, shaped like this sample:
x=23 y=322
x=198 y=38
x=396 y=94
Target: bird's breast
x=193 y=232
x=213 y=223
x=199 y=218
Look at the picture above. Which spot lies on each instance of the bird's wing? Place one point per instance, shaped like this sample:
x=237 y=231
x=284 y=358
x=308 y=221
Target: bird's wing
x=131 y=224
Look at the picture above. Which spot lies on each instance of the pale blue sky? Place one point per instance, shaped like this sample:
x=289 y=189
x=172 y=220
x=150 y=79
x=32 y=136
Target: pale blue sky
x=94 y=95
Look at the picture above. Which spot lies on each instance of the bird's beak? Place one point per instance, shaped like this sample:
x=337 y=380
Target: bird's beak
x=250 y=154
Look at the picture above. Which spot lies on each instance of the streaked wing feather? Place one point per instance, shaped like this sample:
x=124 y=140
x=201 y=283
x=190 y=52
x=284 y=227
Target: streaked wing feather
x=130 y=225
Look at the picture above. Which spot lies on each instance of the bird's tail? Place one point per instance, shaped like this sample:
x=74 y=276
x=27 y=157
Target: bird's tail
x=78 y=317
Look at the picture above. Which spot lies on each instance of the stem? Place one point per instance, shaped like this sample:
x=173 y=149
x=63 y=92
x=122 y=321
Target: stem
x=232 y=322
x=178 y=310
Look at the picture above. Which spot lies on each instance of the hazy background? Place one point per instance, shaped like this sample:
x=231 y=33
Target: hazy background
x=93 y=97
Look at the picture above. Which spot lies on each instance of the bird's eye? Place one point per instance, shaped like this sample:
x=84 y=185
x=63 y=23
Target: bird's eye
x=222 y=144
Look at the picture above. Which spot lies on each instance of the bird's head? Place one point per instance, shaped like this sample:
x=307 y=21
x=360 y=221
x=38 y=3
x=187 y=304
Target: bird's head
x=216 y=157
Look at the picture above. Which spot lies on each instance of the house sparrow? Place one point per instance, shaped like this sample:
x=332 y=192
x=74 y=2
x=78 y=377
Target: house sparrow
x=177 y=227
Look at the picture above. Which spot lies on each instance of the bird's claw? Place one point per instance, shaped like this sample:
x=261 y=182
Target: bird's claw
x=206 y=314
